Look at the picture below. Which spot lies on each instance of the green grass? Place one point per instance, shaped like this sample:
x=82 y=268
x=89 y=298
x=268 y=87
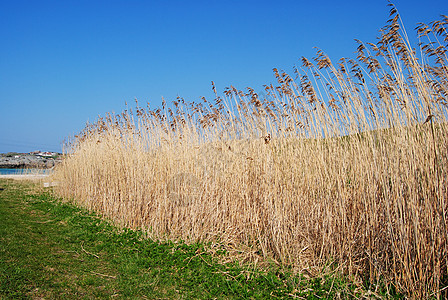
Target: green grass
x=54 y=250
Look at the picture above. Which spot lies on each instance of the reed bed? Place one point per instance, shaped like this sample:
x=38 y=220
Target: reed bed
x=344 y=162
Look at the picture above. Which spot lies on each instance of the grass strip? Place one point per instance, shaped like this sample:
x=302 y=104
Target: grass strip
x=50 y=249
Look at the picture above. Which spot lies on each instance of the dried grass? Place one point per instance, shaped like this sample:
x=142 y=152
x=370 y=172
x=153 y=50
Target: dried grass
x=345 y=163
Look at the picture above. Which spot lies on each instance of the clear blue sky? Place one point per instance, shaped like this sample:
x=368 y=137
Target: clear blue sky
x=63 y=63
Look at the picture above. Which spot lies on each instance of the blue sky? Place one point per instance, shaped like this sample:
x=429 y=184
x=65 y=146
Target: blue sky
x=63 y=63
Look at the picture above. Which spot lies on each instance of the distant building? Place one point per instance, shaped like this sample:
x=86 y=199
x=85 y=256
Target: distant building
x=47 y=154
x=44 y=154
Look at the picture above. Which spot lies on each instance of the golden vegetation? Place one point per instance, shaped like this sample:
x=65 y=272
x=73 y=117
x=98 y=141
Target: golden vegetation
x=347 y=163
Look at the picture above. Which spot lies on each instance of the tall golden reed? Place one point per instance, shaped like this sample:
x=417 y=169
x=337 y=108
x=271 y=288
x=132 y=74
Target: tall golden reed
x=347 y=163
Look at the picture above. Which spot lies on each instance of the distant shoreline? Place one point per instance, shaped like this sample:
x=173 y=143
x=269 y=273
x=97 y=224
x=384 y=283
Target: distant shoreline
x=37 y=160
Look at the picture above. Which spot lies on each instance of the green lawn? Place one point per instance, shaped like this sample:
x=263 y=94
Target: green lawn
x=53 y=250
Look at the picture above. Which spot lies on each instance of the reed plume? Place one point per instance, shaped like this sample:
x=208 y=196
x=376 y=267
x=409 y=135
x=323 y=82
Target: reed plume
x=340 y=162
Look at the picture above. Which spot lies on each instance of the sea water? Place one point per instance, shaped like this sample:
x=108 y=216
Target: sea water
x=23 y=171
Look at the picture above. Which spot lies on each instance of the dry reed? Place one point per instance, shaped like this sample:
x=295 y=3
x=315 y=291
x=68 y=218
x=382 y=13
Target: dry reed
x=345 y=163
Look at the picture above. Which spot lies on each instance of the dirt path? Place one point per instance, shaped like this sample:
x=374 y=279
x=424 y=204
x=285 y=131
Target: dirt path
x=24 y=177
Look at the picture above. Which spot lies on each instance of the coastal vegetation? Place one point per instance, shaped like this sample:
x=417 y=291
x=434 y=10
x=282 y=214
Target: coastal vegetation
x=341 y=166
x=54 y=250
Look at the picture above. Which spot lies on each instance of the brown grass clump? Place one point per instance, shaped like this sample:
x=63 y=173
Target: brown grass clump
x=345 y=163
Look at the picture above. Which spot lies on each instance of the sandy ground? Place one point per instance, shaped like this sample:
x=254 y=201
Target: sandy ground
x=24 y=177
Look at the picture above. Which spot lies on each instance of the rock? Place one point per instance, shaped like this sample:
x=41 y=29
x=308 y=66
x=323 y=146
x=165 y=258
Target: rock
x=27 y=161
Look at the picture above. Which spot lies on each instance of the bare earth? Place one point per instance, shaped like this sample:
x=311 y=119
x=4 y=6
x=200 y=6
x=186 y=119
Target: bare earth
x=24 y=177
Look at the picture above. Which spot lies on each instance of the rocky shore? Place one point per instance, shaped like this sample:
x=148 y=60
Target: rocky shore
x=28 y=160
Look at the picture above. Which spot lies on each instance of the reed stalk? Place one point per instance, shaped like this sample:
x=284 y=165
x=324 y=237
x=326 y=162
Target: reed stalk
x=346 y=163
